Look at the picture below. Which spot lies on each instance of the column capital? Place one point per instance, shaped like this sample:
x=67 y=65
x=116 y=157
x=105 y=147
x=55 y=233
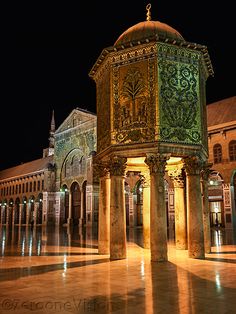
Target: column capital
x=101 y=169
x=177 y=177
x=193 y=165
x=145 y=178
x=117 y=165
x=157 y=162
x=206 y=170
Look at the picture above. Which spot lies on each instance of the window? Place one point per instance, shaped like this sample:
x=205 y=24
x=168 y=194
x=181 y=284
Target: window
x=232 y=150
x=217 y=153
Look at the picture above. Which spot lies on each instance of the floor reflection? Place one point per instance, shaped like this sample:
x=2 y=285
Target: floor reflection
x=27 y=241
x=58 y=270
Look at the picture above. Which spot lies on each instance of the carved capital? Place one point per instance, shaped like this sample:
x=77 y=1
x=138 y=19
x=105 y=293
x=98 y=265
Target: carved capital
x=117 y=166
x=206 y=171
x=101 y=169
x=145 y=179
x=193 y=165
x=157 y=163
x=177 y=177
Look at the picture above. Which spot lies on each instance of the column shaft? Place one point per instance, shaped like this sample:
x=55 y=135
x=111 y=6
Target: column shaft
x=104 y=216
x=117 y=223
x=180 y=219
x=146 y=216
x=158 y=221
x=206 y=217
x=195 y=218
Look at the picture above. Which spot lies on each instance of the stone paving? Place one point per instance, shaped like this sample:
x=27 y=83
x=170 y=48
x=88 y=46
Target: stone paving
x=50 y=270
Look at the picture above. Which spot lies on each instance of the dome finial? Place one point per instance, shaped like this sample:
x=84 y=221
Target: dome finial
x=148 y=8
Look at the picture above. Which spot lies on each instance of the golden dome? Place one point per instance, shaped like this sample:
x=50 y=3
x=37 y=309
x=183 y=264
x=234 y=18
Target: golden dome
x=148 y=30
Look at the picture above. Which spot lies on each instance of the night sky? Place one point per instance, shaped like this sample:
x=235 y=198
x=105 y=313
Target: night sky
x=49 y=49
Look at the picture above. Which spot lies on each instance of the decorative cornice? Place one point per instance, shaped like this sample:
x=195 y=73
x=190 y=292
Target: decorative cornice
x=113 y=49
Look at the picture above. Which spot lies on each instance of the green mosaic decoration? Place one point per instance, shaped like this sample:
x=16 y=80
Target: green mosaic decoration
x=179 y=101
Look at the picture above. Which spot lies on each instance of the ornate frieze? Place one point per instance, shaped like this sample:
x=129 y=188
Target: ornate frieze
x=179 y=101
x=157 y=163
x=117 y=166
x=131 y=55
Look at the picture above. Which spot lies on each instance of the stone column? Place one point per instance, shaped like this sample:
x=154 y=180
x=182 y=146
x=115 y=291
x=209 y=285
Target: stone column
x=104 y=208
x=36 y=207
x=158 y=222
x=8 y=208
x=69 y=219
x=206 y=212
x=117 y=208
x=180 y=209
x=194 y=208
x=20 y=213
x=28 y=210
x=146 y=209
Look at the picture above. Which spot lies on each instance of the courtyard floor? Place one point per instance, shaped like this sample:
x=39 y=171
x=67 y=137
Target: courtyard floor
x=50 y=270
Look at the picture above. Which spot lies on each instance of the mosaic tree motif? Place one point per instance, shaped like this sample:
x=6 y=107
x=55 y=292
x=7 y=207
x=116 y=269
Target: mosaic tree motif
x=133 y=88
x=131 y=115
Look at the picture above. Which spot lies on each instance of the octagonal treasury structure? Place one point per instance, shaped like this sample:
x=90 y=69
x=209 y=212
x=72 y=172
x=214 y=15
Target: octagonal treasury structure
x=151 y=104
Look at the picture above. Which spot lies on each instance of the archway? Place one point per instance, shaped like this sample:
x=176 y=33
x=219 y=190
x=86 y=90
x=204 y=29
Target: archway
x=39 y=217
x=84 y=203
x=4 y=212
x=65 y=214
x=31 y=211
x=139 y=203
x=17 y=211
x=127 y=209
x=23 y=212
x=10 y=212
x=215 y=191
x=75 y=203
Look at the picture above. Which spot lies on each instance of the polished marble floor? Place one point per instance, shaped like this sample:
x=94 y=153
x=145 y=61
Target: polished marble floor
x=50 y=270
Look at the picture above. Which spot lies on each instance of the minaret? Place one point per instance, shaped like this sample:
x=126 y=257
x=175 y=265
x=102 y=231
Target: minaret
x=51 y=136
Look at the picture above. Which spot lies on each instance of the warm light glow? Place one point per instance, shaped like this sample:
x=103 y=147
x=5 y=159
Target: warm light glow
x=174 y=160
